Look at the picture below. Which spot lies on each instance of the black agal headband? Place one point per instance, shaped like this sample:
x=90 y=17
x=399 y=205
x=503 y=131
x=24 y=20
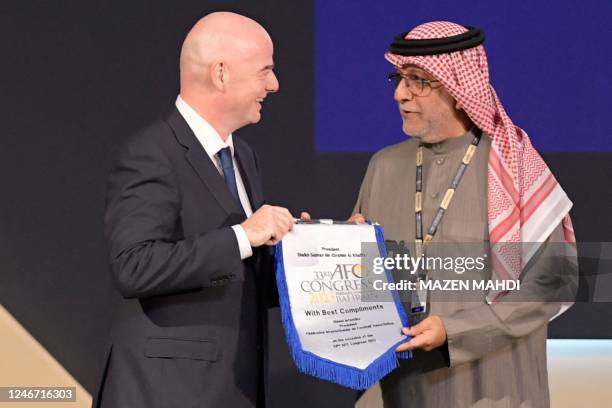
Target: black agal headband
x=432 y=46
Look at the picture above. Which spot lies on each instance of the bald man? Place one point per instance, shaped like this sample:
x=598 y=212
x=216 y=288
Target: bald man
x=187 y=231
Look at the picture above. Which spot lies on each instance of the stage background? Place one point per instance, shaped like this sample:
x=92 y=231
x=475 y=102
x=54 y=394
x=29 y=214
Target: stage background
x=80 y=77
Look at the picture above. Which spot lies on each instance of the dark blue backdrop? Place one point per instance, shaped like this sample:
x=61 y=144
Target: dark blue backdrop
x=549 y=62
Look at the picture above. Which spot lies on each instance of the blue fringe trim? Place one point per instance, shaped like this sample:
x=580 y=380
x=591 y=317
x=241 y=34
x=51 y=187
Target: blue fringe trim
x=380 y=239
x=323 y=368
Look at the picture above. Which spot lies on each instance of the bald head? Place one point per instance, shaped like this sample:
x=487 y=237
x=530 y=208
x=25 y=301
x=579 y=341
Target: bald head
x=220 y=36
x=227 y=70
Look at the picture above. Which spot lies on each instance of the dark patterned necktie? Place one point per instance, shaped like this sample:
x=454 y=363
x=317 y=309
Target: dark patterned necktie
x=227 y=164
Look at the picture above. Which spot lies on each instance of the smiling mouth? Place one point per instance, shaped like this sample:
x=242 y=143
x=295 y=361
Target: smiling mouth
x=406 y=113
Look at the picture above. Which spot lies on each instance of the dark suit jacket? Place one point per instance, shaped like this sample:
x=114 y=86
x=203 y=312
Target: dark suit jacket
x=189 y=330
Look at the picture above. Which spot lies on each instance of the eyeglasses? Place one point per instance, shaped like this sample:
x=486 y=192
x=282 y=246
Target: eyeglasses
x=416 y=85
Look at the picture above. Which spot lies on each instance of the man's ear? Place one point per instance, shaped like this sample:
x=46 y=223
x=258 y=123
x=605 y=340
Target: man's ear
x=219 y=75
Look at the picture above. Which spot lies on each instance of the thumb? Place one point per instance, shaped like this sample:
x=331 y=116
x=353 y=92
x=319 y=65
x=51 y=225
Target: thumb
x=413 y=330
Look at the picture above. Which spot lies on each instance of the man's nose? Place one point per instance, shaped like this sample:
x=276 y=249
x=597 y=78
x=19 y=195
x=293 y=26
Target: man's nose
x=402 y=93
x=273 y=83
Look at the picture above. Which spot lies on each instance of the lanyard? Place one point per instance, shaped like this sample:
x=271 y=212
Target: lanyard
x=467 y=157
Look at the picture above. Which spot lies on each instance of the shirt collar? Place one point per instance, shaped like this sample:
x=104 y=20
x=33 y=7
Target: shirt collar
x=204 y=132
x=452 y=145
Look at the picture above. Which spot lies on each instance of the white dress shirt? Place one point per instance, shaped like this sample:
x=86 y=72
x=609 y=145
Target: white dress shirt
x=212 y=143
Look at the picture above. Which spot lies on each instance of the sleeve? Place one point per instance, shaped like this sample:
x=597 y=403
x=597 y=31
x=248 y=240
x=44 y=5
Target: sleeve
x=148 y=253
x=549 y=280
x=244 y=244
x=267 y=263
x=267 y=259
x=363 y=199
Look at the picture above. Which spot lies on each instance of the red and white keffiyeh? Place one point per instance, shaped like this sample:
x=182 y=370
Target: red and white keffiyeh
x=525 y=201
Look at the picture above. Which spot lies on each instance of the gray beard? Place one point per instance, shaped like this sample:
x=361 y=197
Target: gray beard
x=430 y=139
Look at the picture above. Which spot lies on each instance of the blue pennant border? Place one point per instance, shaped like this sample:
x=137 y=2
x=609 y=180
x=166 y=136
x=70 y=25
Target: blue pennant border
x=310 y=363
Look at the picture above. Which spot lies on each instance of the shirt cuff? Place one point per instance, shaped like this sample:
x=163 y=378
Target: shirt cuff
x=243 y=241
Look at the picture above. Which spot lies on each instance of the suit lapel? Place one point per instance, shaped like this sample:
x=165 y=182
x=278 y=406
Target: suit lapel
x=248 y=172
x=201 y=163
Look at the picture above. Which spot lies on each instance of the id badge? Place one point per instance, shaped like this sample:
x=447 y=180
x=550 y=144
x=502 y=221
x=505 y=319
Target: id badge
x=418 y=301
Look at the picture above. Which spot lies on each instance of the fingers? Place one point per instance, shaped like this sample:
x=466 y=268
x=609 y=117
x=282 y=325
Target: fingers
x=357 y=218
x=426 y=335
x=278 y=222
x=290 y=221
x=414 y=343
x=402 y=347
x=413 y=330
x=268 y=225
x=282 y=223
